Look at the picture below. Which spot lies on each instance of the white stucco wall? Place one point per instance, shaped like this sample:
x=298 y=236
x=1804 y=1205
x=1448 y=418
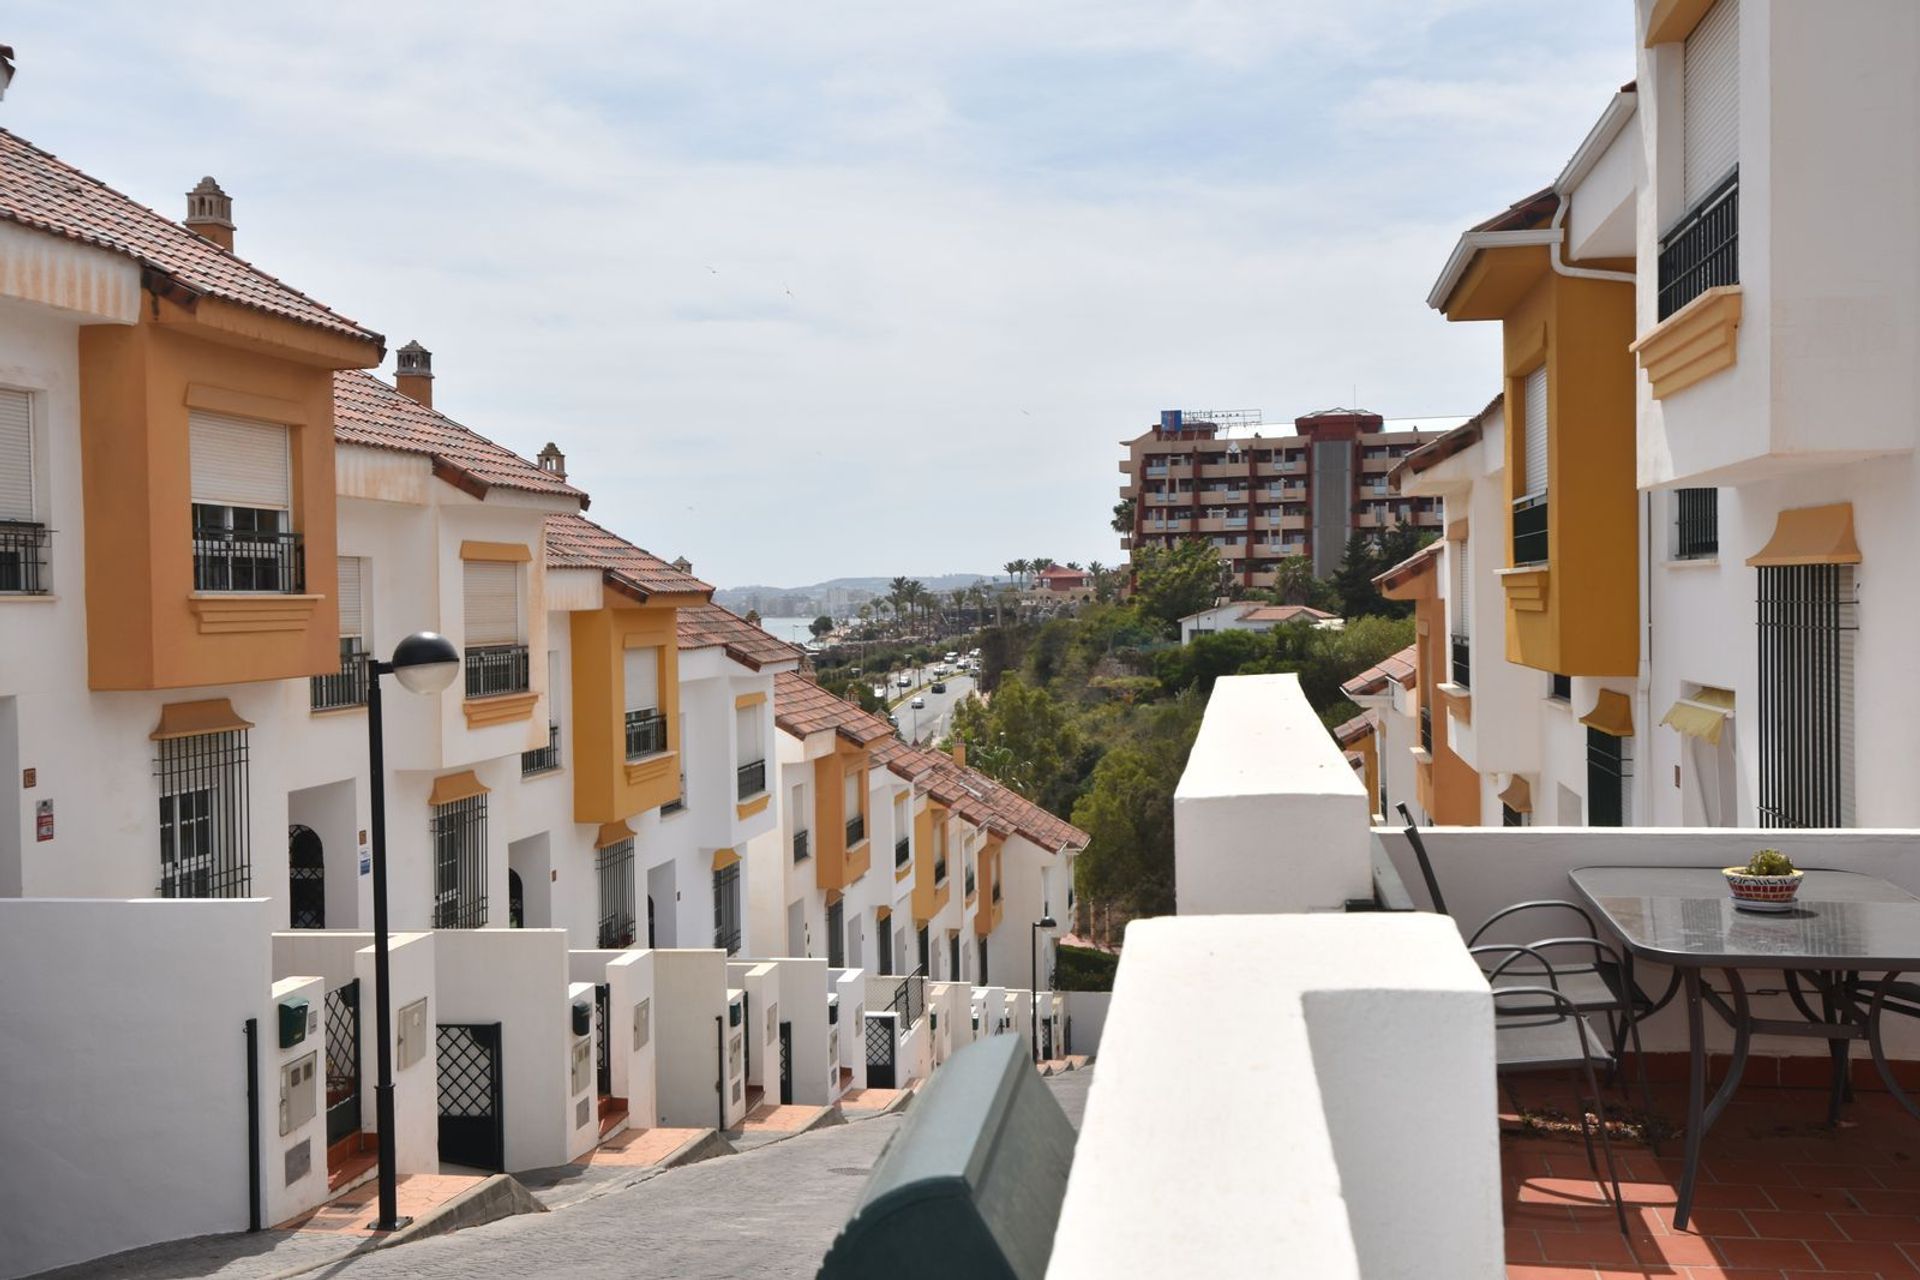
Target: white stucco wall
x=416 y=1087
x=101 y=1157
x=689 y=1007
x=1320 y=1174
x=1268 y=815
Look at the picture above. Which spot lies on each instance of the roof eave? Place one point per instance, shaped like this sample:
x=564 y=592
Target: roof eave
x=1469 y=246
x=1619 y=111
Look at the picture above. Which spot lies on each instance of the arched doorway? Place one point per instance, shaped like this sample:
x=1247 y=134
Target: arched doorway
x=306 y=879
x=516 y=902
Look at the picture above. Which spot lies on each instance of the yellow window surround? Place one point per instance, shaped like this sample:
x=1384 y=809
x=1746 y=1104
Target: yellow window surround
x=1612 y=713
x=495 y=552
x=1695 y=342
x=1811 y=535
x=456 y=786
x=191 y=719
x=1518 y=796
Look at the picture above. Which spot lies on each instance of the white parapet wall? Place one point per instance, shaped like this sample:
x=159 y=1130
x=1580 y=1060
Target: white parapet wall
x=123 y=1074
x=1268 y=816
x=689 y=1016
x=1358 y=1137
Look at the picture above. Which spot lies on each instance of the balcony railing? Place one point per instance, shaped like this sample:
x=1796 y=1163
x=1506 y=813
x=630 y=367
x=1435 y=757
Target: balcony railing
x=970 y=882
x=542 y=759
x=940 y=869
x=247 y=560
x=1702 y=250
x=646 y=733
x=496 y=669
x=752 y=779
x=1462 y=662
x=23 y=557
x=1530 y=529
x=1426 y=728
x=901 y=848
x=996 y=893
x=800 y=850
x=346 y=687
x=856 y=829
x=1696 y=524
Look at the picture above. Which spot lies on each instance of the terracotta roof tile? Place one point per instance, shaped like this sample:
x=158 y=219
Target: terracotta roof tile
x=802 y=707
x=1285 y=613
x=1407 y=570
x=1397 y=667
x=978 y=798
x=575 y=542
x=366 y=411
x=1352 y=731
x=38 y=189
x=708 y=626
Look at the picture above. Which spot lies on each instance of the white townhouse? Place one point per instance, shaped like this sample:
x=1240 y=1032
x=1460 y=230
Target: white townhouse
x=1777 y=334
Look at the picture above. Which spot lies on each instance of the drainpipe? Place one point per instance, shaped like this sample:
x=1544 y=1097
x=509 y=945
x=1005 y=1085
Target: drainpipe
x=720 y=1068
x=1560 y=264
x=253 y=1124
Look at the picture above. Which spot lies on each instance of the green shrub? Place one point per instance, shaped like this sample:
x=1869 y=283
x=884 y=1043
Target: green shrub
x=1083 y=969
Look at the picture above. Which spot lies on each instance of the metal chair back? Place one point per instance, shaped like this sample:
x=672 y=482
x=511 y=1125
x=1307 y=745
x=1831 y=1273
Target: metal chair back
x=1426 y=864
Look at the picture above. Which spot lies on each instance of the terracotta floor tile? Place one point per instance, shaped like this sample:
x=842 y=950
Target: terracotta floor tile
x=1538 y=1271
x=1875 y=1200
x=1735 y=1252
x=1840 y=1255
x=1523 y=1246
x=1787 y=1224
x=1586 y=1246
x=1893 y=1228
x=1677 y=1251
x=1832 y=1175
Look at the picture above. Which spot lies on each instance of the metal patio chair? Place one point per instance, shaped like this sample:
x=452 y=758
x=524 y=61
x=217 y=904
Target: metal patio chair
x=1538 y=1030
x=1599 y=983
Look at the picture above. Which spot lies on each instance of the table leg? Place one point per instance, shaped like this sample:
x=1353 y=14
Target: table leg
x=1742 y=1023
x=1879 y=1050
x=1839 y=1049
x=1696 y=1094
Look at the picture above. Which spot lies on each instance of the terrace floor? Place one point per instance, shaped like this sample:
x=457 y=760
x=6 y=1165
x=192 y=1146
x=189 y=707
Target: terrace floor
x=1781 y=1196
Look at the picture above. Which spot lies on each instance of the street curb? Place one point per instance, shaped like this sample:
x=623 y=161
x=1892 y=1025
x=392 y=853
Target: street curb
x=501 y=1196
x=706 y=1145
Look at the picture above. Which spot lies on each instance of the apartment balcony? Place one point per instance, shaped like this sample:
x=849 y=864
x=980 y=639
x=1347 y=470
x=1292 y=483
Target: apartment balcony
x=1168 y=499
x=856 y=830
x=542 y=759
x=646 y=732
x=1153 y=471
x=23 y=558
x=1530 y=530
x=801 y=846
x=1702 y=250
x=902 y=850
x=495 y=670
x=1462 y=664
x=1230 y=470
x=346 y=687
x=750 y=780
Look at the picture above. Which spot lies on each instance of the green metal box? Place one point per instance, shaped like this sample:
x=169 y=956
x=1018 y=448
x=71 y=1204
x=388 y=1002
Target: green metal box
x=293 y=1021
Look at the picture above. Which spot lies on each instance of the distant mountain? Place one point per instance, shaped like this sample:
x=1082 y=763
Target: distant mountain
x=835 y=596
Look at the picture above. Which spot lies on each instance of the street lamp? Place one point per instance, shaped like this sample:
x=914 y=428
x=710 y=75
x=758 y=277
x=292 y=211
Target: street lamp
x=1033 y=1005
x=423 y=663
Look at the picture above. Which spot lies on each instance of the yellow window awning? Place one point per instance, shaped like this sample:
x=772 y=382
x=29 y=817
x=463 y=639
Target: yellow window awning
x=724 y=858
x=1611 y=713
x=456 y=786
x=1703 y=715
x=883 y=913
x=191 y=719
x=1518 y=796
x=612 y=833
x=1811 y=535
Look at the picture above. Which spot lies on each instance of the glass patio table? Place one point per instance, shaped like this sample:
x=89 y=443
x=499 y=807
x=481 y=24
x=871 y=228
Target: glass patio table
x=1841 y=925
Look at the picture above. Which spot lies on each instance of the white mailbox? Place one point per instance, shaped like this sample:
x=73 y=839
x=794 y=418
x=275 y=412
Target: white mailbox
x=412 y=1035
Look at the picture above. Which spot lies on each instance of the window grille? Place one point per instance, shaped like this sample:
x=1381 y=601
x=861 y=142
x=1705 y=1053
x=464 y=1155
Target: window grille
x=1511 y=817
x=204 y=844
x=615 y=865
x=1609 y=772
x=245 y=549
x=751 y=779
x=1807 y=623
x=459 y=831
x=346 y=687
x=1696 y=524
x=646 y=733
x=496 y=669
x=1559 y=686
x=726 y=908
x=837 y=935
x=542 y=759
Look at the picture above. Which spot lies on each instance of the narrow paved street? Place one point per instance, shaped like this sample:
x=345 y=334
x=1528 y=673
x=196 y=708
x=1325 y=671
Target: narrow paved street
x=764 y=1214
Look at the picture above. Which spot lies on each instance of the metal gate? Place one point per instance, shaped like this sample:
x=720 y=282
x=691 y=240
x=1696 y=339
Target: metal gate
x=472 y=1125
x=603 y=1005
x=880 y=1051
x=1046 y=1040
x=342 y=1005
x=786 y=1064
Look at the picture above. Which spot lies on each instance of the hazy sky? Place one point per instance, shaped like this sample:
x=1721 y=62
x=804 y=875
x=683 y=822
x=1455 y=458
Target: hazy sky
x=814 y=289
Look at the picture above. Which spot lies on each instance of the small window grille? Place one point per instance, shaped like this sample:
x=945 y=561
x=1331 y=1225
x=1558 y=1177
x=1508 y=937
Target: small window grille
x=459 y=831
x=615 y=865
x=204 y=846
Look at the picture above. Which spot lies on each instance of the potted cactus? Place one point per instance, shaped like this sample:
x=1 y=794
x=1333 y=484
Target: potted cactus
x=1767 y=883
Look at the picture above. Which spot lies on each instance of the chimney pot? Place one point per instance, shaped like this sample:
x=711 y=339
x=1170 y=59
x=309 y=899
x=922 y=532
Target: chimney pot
x=551 y=459
x=210 y=213
x=683 y=564
x=413 y=373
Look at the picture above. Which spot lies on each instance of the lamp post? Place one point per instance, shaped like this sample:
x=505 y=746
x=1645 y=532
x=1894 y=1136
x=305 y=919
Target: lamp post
x=1033 y=1005
x=423 y=663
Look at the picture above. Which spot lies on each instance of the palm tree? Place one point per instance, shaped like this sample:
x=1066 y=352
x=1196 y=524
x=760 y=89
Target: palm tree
x=1015 y=568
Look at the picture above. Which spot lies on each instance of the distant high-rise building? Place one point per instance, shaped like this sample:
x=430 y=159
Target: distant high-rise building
x=1257 y=498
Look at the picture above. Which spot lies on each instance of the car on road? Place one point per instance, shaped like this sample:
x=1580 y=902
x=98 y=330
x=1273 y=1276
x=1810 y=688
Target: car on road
x=906 y=681
x=953 y=657
x=918 y=702
x=939 y=686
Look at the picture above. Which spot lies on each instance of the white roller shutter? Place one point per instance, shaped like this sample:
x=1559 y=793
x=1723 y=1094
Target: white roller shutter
x=492 y=602
x=353 y=616
x=238 y=462
x=1462 y=605
x=1533 y=430
x=852 y=796
x=746 y=736
x=643 y=679
x=16 y=455
x=1711 y=101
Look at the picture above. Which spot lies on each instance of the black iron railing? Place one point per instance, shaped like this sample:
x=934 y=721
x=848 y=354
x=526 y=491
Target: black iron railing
x=1426 y=728
x=542 y=759
x=23 y=557
x=459 y=833
x=940 y=869
x=1463 y=662
x=615 y=865
x=752 y=779
x=1559 y=686
x=970 y=882
x=1608 y=768
x=1696 y=524
x=801 y=852
x=494 y=669
x=1703 y=248
x=856 y=829
x=1530 y=529
x=1807 y=623
x=901 y=848
x=646 y=733
x=346 y=687
x=910 y=997
x=679 y=803
x=996 y=891
x=204 y=816
x=247 y=560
